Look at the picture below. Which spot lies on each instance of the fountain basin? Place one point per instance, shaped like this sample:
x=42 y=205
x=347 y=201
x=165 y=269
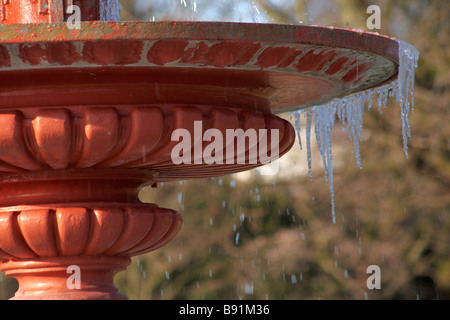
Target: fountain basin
x=263 y=67
x=94 y=90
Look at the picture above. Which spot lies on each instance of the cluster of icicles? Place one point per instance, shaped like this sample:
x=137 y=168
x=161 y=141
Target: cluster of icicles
x=349 y=111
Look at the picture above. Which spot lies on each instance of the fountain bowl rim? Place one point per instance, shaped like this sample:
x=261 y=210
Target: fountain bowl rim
x=359 y=43
x=204 y=30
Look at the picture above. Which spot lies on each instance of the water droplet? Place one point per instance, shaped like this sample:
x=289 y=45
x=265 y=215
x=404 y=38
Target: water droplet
x=249 y=288
x=293 y=279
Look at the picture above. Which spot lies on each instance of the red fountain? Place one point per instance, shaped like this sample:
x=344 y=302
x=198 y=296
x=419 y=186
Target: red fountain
x=87 y=116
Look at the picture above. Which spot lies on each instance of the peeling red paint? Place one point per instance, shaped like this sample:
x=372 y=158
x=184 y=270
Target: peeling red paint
x=336 y=66
x=165 y=51
x=281 y=57
x=196 y=55
x=227 y=54
x=62 y=53
x=356 y=72
x=113 y=52
x=312 y=61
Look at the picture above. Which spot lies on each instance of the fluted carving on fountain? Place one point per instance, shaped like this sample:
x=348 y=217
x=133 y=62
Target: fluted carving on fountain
x=52 y=231
x=122 y=137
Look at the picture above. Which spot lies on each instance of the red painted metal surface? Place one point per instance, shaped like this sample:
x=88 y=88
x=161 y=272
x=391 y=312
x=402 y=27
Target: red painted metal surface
x=266 y=67
x=86 y=118
x=46 y=11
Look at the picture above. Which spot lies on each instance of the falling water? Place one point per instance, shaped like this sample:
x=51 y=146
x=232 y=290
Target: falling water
x=110 y=10
x=192 y=4
x=349 y=110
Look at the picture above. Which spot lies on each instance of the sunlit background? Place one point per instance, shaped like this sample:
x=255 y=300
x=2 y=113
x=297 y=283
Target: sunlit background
x=251 y=237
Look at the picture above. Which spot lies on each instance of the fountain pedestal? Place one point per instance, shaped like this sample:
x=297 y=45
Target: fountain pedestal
x=87 y=117
x=72 y=249
x=51 y=279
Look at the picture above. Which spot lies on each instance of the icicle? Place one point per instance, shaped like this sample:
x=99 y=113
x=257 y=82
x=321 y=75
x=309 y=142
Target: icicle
x=355 y=110
x=408 y=57
x=324 y=122
x=349 y=110
x=308 y=140
x=297 y=126
x=341 y=112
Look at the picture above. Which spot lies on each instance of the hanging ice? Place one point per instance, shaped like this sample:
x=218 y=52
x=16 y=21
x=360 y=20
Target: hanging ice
x=349 y=111
x=408 y=57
